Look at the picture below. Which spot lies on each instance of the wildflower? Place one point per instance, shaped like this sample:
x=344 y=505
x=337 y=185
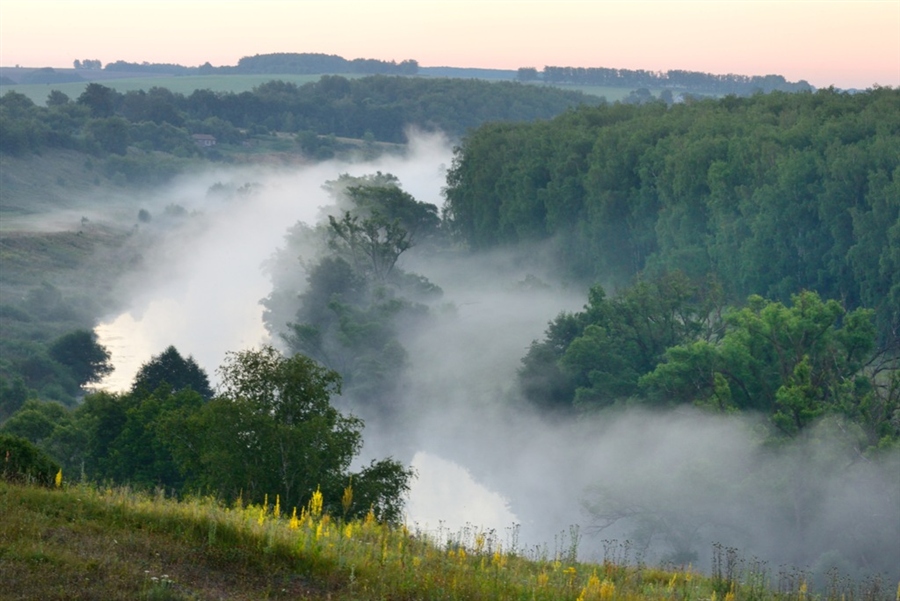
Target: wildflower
x=607 y=590
x=729 y=596
x=499 y=559
x=58 y=479
x=315 y=503
x=542 y=579
x=370 y=517
x=294 y=523
x=347 y=498
x=348 y=530
x=277 y=512
x=479 y=542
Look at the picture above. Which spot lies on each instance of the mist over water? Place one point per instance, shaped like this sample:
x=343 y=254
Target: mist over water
x=671 y=483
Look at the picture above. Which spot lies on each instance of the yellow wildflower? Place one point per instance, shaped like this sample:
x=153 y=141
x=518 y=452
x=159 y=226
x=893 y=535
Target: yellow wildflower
x=479 y=542
x=59 y=478
x=347 y=498
x=277 y=512
x=294 y=523
x=315 y=503
x=499 y=559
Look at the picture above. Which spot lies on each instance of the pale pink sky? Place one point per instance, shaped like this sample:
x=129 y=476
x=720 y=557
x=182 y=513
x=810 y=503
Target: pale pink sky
x=846 y=43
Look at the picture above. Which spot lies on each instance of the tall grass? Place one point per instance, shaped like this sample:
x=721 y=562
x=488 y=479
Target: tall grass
x=83 y=542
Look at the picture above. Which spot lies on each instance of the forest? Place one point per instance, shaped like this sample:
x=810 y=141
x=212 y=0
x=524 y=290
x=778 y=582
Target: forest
x=380 y=108
x=739 y=256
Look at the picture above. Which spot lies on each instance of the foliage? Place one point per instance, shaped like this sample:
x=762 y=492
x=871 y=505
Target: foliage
x=355 y=296
x=173 y=372
x=87 y=359
x=23 y=462
x=773 y=194
x=292 y=440
x=596 y=357
x=793 y=363
x=380 y=107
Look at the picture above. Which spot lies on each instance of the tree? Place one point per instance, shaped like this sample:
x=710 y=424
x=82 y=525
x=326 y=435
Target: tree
x=527 y=74
x=274 y=431
x=172 y=371
x=57 y=98
x=794 y=363
x=100 y=99
x=24 y=462
x=110 y=134
x=87 y=359
x=373 y=245
x=595 y=358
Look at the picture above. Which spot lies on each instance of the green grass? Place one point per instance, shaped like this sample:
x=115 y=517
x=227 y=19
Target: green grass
x=182 y=85
x=80 y=542
x=233 y=83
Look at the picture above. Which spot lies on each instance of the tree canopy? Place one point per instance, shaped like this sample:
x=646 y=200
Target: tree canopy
x=173 y=371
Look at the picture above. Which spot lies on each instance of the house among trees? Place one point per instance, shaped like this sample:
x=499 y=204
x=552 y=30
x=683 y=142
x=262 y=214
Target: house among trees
x=204 y=140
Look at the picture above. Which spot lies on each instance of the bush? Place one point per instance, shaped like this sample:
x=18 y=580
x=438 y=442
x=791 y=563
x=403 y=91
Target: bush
x=25 y=463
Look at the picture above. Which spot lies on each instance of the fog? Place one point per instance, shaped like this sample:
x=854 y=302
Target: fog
x=670 y=484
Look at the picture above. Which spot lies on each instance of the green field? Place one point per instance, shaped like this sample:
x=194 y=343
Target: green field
x=229 y=83
x=181 y=85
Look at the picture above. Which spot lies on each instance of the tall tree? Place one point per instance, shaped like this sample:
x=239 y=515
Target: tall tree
x=173 y=371
x=86 y=358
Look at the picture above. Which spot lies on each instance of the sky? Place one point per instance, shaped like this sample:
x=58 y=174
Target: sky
x=845 y=43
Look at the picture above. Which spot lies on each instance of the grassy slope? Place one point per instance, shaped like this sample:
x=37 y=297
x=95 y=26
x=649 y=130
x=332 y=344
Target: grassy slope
x=80 y=543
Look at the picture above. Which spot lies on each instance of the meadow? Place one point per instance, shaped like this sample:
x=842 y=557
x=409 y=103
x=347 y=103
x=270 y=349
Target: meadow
x=76 y=541
x=229 y=83
x=176 y=84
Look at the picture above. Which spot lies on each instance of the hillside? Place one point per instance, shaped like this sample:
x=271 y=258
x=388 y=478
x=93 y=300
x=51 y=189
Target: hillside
x=78 y=543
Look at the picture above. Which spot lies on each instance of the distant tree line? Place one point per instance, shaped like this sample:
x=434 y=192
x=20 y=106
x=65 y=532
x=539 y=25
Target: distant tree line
x=282 y=63
x=688 y=81
x=102 y=120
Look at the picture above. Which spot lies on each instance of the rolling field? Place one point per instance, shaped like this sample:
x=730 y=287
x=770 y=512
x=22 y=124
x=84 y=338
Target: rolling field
x=228 y=83
x=181 y=85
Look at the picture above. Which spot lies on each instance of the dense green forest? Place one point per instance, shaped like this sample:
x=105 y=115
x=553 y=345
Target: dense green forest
x=792 y=197
x=772 y=194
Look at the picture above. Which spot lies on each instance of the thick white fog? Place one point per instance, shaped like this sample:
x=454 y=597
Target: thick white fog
x=671 y=484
